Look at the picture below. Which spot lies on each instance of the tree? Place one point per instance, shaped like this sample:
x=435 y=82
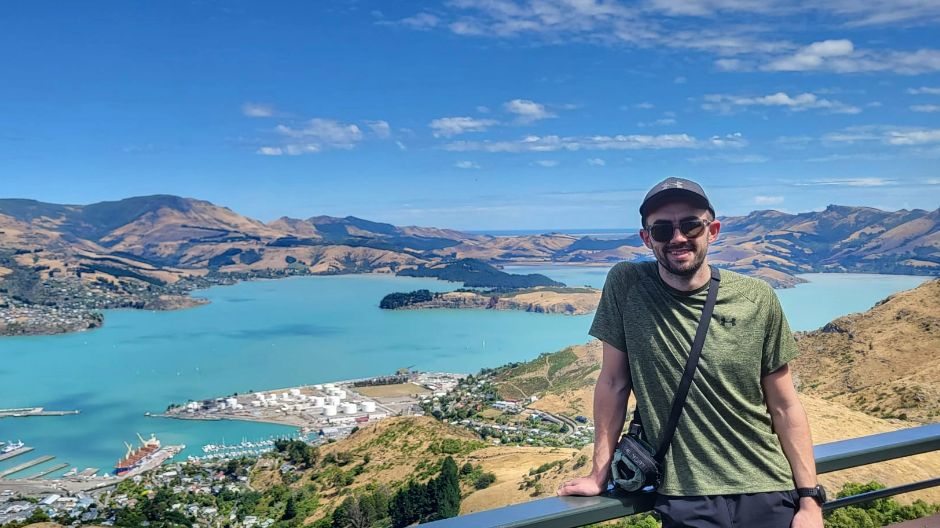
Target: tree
x=448 y=490
x=37 y=516
x=290 y=509
x=466 y=469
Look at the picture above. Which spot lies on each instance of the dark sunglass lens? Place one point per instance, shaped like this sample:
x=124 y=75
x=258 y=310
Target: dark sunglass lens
x=692 y=228
x=661 y=232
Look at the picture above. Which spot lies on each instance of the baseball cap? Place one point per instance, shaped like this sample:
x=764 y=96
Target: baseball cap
x=675 y=189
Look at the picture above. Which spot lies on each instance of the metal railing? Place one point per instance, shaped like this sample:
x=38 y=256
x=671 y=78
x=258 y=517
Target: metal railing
x=571 y=512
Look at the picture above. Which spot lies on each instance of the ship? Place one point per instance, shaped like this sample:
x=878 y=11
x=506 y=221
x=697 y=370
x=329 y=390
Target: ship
x=136 y=458
x=11 y=447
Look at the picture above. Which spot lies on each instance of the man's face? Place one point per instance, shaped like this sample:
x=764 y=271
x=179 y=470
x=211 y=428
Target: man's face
x=681 y=256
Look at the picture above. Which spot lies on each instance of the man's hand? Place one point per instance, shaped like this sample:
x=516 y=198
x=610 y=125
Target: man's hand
x=809 y=515
x=584 y=486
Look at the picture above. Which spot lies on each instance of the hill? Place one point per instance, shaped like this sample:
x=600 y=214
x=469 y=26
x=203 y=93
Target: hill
x=883 y=362
x=402 y=448
x=143 y=251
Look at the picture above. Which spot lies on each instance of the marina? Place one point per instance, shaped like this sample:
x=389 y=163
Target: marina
x=87 y=472
x=25 y=465
x=49 y=471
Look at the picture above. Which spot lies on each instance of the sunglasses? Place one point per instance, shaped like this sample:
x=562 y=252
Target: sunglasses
x=689 y=229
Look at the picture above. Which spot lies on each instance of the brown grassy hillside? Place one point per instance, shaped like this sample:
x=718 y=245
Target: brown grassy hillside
x=884 y=362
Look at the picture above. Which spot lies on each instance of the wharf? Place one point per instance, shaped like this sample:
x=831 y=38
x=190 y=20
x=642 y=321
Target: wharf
x=25 y=412
x=87 y=472
x=25 y=465
x=16 y=453
x=46 y=472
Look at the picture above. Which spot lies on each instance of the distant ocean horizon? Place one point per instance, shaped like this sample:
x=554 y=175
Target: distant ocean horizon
x=263 y=335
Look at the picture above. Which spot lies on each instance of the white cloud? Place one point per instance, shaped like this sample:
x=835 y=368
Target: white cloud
x=768 y=200
x=874 y=104
x=258 y=110
x=669 y=114
x=932 y=181
x=679 y=80
x=377 y=14
x=861 y=156
x=421 y=21
x=320 y=133
x=466 y=165
x=725 y=103
x=729 y=64
x=643 y=106
x=596 y=162
x=914 y=137
x=452 y=126
x=380 y=129
x=401 y=146
x=547 y=163
x=924 y=90
x=849 y=182
x=527 y=111
x=745 y=158
x=658 y=122
x=619 y=142
x=841 y=56
x=270 y=151
x=926 y=108
x=483 y=110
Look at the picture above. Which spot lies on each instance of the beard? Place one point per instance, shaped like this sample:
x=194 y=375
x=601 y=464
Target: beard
x=681 y=269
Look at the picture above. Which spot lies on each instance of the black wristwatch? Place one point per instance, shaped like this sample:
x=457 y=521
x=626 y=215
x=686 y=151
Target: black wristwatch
x=818 y=493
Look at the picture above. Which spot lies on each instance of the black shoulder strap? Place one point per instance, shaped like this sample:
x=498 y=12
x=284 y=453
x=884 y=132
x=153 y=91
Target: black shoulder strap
x=690 y=366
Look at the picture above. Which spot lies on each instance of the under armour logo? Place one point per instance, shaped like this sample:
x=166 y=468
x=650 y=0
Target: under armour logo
x=724 y=321
x=676 y=184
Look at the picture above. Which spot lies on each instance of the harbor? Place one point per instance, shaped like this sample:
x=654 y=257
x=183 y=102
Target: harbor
x=49 y=471
x=12 y=450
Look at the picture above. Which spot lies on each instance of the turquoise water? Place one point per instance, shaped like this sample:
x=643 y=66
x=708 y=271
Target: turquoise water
x=272 y=334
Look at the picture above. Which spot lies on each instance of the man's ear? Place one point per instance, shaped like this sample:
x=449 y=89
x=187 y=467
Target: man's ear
x=713 y=230
x=646 y=238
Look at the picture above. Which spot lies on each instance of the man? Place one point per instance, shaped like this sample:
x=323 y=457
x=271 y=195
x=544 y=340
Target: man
x=742 y=455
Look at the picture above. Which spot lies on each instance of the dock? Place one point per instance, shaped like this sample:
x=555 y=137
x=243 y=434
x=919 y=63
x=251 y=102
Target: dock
x=87 y=472
x=16 y=453
x=26 y=412
x=25 y=465
x=46 y=472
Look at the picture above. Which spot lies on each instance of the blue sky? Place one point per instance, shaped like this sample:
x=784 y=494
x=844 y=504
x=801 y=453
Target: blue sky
x=472 y=114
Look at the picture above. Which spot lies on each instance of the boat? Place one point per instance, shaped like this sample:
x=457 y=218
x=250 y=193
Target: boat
x=11 y=447
x=136 y=458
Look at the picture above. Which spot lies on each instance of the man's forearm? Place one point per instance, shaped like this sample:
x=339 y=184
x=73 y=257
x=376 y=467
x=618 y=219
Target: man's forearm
x=610 y=404
x=792 y=429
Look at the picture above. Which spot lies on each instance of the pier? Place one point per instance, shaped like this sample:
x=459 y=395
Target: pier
x=46 y=472
x=26 y=412
x=87 y=472
x=16 y=453
x=25 y=465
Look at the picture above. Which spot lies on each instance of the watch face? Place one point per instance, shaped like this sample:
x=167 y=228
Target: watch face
x=822 y=493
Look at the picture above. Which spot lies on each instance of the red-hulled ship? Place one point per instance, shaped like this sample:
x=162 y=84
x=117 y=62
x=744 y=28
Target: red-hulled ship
x=135 y=458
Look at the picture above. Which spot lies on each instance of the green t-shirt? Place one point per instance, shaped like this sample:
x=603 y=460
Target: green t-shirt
x=724 y=443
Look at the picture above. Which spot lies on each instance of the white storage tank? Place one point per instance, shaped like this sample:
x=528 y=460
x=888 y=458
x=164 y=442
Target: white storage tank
x=349 y=408
x=332 y=400
x=256 y=403
x=318 y=387
x=318 y=401
x=368 y=407
x=329 y=386
x=341 y=394
x=329 y=410
x=231 y=402
x=259 y=395
x=295 y=392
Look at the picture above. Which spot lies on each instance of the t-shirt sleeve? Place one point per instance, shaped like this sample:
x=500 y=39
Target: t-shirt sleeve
x=608 y=320
x=779 y=345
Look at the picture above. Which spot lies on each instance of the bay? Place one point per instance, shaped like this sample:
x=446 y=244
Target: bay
x=271 y=334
